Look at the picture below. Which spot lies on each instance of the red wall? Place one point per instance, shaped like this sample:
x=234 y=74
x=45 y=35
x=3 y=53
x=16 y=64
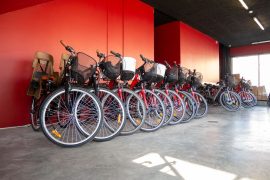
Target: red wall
x=179 y=42
x=126 y=26
x=167 y=44
x=138 y=30
x=250 y=50
x=200 y=52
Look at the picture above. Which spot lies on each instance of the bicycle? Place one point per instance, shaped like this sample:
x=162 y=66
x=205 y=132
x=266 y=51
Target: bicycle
x=190 y=102
x=70 y=115
x=134 y=105
x=153 y=86
x=114 y=114
x=113 y=109
x=193 y=82
x=228 y=99
x=155 y=109
x=247 y=97
x=171 y=77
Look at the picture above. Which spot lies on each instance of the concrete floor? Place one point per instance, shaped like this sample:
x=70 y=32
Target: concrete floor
x=221 y=146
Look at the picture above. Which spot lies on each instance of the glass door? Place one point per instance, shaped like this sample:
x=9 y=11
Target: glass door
x=264 y=72
x=247 y=67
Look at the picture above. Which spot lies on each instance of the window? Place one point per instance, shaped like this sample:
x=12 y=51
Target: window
x=247 y=67
x=264 y=77
x=255 y=68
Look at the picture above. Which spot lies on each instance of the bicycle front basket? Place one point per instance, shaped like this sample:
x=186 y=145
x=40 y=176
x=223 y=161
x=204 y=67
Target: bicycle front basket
x=246 y=85
x=161 y=69
x=197 y=81
x=172 y=74
x=149 y=72
x=128 y=68
x=182 y=75
x=110 y=67
x=83 y=67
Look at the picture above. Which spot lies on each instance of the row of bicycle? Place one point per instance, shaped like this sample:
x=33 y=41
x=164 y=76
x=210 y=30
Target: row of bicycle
x=100 y=99
x=237 y=94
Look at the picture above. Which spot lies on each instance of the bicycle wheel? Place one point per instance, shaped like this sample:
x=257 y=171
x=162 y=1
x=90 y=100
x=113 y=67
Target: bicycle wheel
x=254 y=101
x=34 y=114
x=155 y=110
x=190 y=104
x=178 y=107
x=168 y=105
x=230 y=101
x=135 y=110
x=114 y=115
x=202 y=106
x=248 y=99
x=71 y=118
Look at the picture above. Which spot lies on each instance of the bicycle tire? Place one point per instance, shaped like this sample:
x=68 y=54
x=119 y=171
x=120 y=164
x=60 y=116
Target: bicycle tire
x=228 y=105
x=148 y=126
x=179 y=108
x=190 y=105
x=246 y=103
x=60 y=135
x=168 y=105
x=201 y=110
x=34 y=115
x=114 y=118
x=136 y=112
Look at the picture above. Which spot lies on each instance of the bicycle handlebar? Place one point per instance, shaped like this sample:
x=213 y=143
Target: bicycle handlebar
x=167 y=64
x=68 y=48
x=194 y=72
x=142 y=57
x=61 y=41
x=100 y=55
x=116 y=54
x=146 y=60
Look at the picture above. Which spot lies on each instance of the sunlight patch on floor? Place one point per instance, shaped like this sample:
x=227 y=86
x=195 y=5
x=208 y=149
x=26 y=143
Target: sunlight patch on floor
x=189 y=170
x=150 y=160
x=184 y=169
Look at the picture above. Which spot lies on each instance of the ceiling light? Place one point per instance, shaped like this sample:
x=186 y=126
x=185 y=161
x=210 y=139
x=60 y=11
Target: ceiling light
x=261 y=42
x=243 y=4
x=258 y=22
x=250 y=12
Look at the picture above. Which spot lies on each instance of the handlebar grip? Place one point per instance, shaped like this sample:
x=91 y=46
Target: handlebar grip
x=143 y=58
x=99 y=54
x=167 y=64
x=151 y=61
x=146 y=60
x=115 y=53
x=194 y=72
x=68 y=48
x=61 y=41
